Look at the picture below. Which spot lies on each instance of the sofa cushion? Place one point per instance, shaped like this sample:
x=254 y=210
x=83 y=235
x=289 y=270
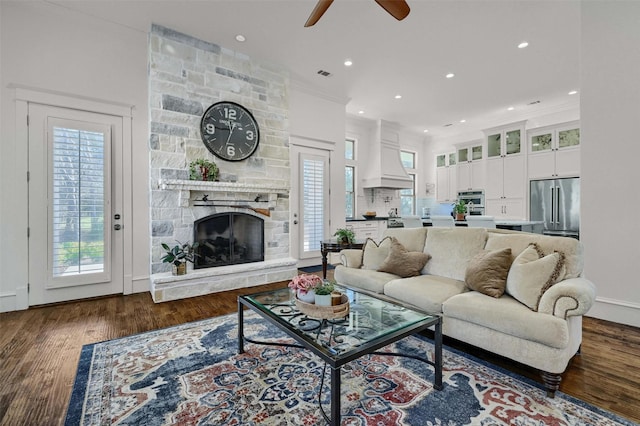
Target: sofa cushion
x=402 y=262
x=374 y=254
x=411 y=238
x=487 y=272
x=507 y=315
x=365 y=279
x=426 y=292
x=452 y=249
x=518 y=241
x=532 y=273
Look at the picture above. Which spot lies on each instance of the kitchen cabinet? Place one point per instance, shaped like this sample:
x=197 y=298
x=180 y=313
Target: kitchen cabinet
x=368 y=229
x=505 y=178
x=554 y=151
x=446 y=170
x=470 y=167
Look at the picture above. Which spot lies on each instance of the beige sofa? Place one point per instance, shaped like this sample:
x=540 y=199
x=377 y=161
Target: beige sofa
x=545 y=333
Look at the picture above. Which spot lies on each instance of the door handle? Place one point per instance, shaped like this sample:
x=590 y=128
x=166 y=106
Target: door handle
x=553 y=207
x=557 y=205
x=117 y=227
x=295 y=222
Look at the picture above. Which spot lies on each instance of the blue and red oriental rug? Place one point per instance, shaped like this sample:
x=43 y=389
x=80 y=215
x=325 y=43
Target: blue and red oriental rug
x=192 y=375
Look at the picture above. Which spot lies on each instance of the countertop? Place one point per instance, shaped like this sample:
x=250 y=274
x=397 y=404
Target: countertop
x=365 y=220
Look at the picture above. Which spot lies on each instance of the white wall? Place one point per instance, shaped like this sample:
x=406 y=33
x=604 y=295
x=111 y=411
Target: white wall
x=52 y=48
x=610 y=110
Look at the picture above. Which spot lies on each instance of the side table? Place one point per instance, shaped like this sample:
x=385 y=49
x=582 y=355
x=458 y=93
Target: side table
x=334 y=246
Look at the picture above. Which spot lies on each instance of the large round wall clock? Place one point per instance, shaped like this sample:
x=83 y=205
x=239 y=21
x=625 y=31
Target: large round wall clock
x=229 y=131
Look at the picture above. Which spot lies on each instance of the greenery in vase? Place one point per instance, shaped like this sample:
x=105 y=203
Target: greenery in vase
x=203 y=169
x=326 y=287
x=179 y=253
x=345 y=234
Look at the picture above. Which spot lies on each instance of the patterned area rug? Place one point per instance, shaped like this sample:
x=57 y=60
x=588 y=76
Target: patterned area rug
x=192 y=375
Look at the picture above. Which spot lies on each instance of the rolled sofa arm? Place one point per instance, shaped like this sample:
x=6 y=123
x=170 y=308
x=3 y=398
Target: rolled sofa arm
x=571 y=297
x=351 y=258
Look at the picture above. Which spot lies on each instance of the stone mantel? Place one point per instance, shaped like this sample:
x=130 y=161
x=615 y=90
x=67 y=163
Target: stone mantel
x=198 y=185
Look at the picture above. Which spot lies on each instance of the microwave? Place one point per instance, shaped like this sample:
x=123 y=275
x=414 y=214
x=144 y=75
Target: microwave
x=474 y=196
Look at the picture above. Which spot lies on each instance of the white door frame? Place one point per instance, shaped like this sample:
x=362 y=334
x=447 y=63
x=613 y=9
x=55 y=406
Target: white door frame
x=24 y=96
x=298 y=144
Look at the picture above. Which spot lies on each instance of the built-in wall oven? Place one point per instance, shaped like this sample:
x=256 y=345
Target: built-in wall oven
x=474 y=199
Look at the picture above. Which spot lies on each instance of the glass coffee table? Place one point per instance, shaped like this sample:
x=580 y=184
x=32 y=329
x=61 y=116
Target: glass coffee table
x=371 y=324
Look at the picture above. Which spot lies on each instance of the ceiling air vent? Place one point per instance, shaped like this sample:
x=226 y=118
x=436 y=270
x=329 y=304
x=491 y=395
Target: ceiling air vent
x=447 y=125
x=533 y=103
x=324 y=73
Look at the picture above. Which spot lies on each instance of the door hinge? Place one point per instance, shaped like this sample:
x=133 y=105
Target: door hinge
x=28 y=232
x=28 y=287
x=28 y=176
x=27 y=119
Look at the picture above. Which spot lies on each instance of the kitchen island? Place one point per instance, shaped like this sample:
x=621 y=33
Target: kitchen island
x=534 y=226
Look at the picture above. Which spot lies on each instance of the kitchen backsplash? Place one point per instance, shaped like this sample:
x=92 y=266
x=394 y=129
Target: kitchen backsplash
x=381 y=200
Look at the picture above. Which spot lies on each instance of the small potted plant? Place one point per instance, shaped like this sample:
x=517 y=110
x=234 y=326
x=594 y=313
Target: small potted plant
x=345 y=236
x=459 y=209
x=203 y=169
x=179 y=255
x=304 y=286
x=323 y=292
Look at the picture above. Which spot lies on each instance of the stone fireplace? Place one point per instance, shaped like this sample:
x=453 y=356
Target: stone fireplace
x=186 y=76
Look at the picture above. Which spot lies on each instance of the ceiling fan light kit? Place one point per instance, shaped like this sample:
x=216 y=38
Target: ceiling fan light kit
x=399 y=9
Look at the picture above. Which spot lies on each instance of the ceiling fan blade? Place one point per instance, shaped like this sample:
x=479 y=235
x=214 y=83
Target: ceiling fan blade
x=399 y=9
x=318 y=11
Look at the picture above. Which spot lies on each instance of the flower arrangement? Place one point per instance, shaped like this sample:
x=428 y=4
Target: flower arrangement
x=305 y=282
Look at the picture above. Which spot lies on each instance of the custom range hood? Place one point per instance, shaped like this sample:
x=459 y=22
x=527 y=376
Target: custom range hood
x=384 y=168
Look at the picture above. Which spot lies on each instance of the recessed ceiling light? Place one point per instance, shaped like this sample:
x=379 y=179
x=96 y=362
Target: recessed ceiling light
x=450 y=75
x=523 y=45
x=348 y=62
x=360 y=112
x=573 y=92
x=463 y=121
x=398 y=96
x=426 y=130
x=241 y=38
x=510 y=109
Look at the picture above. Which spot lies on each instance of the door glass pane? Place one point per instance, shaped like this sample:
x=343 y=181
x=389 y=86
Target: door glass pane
x=78 y=178
x=493 y=145
x=313 y=196
x=476 y=153
x=463 y=155
x=541 y=142
x=568 y=138
x=513 y=142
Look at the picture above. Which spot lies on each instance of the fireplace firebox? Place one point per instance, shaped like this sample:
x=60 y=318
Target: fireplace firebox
x=228 y=239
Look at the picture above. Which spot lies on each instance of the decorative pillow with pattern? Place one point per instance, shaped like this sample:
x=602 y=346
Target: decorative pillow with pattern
x=488 y=270
x=402 y=262
x=373 y=255
x=532 y=273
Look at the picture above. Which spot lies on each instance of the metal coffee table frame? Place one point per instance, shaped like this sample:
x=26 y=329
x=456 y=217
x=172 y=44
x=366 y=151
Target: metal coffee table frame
x=281 y=312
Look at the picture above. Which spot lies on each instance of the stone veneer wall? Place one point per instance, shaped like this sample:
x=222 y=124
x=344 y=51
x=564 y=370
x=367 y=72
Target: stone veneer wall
x=186 y=76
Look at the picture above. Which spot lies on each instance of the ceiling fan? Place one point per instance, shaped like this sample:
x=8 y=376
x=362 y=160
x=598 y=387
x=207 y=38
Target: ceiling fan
x=399 y=9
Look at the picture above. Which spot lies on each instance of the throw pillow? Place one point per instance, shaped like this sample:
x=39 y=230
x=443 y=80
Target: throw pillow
x=487 y=272
x=532 y=273
x=373 y=255
x=402 y=262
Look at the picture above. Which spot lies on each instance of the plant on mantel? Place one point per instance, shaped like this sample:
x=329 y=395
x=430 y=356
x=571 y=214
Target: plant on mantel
x=203 y=169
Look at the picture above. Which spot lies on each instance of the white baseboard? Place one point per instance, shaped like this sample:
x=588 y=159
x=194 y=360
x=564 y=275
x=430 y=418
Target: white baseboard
x=141 y=284
x=7 y=302
x=619 y=311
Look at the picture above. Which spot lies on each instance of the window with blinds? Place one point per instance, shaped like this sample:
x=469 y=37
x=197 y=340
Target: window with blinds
x=78 y=177
x=313 y=195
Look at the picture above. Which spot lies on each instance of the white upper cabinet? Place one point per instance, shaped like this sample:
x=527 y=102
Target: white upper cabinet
x=470 y=168
x=446 y=174
x=554 y=151
x=505 y=171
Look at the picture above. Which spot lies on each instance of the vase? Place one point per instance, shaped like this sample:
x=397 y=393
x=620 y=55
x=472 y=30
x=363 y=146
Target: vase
x=323 y=299
x=180 y=269
x=307 y=296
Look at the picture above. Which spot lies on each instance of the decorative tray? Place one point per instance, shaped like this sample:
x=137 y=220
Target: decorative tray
x=324 y=312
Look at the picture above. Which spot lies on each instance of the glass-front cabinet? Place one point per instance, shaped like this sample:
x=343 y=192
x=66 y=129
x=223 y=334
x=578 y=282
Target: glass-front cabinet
x=470 y=168
x=554 y=151
x=446 y=169
x=504 y=142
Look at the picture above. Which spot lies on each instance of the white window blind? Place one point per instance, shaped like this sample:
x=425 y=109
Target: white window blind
x=78 y=201
x=313 y=188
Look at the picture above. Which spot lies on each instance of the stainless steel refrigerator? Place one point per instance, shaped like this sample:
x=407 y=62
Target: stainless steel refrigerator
x=556 y=202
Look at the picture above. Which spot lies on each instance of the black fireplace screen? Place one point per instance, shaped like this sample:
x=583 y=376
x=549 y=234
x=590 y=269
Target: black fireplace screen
x=228 y=239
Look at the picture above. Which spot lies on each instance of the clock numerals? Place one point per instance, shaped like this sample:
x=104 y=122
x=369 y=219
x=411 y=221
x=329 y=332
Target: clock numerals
x=231 y=151
x=229 y=131
x=250 y=135
x=229 y=113
x=210 y=128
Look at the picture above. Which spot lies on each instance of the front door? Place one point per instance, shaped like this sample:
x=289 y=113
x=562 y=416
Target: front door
x=75 y=242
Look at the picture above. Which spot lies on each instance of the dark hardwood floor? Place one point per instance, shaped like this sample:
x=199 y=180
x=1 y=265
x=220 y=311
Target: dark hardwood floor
x=40 y=348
